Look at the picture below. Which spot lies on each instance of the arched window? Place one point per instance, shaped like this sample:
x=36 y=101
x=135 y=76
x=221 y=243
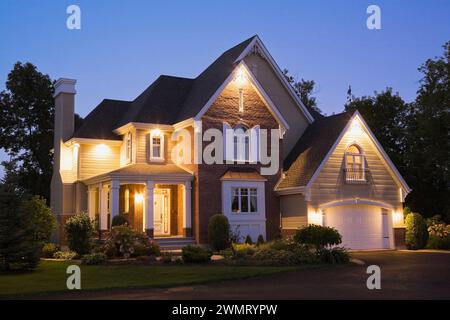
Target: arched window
x=354 y=164
x=241 y=143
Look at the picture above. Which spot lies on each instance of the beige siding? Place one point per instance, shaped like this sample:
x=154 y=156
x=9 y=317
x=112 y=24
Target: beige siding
x=143 y=146
x=294 y=212
x=92 y=162
x=330 y=184
x=281 y=98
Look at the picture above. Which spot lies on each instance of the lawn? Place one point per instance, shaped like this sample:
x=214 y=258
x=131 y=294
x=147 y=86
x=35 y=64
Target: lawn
x=51 y=276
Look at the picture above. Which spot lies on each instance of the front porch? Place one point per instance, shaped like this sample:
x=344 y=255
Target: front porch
x=160 y=206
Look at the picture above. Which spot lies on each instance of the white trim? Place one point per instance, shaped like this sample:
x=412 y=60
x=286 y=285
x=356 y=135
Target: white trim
x=258 y=88
x=64 y=85
x=161 y=146
x=184 y=124
x=384 y=156
x=143 y=126
x=346 y=202
x=290 y=190
x=278 y=72
x=90 y=141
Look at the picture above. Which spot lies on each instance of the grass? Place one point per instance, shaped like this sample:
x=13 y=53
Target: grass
x=50 y=277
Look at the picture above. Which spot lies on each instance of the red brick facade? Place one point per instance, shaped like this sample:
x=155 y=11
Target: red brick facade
x=207 y=184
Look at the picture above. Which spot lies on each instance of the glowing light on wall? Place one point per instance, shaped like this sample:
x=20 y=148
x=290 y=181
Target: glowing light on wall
x=315 y=217
x=240 y=77
x=138 y=198
x=156 y=132
x=355 y=127
x=102 y=149
x=397 y=218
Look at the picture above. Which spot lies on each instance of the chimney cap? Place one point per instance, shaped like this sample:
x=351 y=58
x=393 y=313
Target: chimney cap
x=64 y=85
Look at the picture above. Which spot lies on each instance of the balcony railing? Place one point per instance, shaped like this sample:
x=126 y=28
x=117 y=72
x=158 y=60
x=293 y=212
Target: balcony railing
x=355 y=176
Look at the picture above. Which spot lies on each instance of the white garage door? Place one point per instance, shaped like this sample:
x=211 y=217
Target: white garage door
x=361 y=226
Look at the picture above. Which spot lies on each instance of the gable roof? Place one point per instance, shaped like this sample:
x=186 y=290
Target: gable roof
x=168 y=99
x=100 y=122
x=207 y=83
x=310 y=150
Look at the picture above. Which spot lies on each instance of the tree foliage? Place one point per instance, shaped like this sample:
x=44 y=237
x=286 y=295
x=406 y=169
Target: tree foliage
x=26 y=127
x=304 y=89
x=416 y=135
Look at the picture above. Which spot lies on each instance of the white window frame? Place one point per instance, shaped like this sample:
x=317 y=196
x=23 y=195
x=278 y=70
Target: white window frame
x=239 y=197
x=232 y=145
x=129 y=147
x=161 y=153
x=353 y=164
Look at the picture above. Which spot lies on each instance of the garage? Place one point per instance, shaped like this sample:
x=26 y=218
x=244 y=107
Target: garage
x=361 y=226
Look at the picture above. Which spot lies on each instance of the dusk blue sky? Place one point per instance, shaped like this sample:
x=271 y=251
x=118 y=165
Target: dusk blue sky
x=124 y=45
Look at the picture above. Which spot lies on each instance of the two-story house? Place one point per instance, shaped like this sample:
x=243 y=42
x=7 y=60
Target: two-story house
x=124 y=159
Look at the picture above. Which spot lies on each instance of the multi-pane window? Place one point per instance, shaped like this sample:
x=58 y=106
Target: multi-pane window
x=354 y=164
x=244 y=200
x=128 y=147
x=156 y=146
x=241 y=144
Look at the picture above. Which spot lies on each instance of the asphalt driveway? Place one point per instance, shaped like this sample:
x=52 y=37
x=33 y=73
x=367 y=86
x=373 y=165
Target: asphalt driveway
x=404 y=275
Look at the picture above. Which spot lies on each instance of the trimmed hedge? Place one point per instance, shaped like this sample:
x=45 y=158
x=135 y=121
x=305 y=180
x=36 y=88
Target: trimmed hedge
x=219 y=232
x=416 y=231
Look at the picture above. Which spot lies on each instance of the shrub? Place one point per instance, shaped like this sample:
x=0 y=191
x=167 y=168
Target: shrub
x=318 y=236
x=126 y=242
x=79 y=231
x=219 y=232
x=19 y=249
x=260 y=240
x=93 y=258
x=166 y=258
x=243 y=250
x=435 y=242
x=49 y=249
x=248 y=239
x=272 y=256
x=41 y=217
x=416 y=231
x=65 y=255
x=337 y=255
x=196 y=254
x=119 y=220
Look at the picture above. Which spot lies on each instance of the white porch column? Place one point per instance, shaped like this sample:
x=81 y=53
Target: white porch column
x=91 y=202
x=103 y=202
x=187 y=217
x=114 y=199
x=149 y=201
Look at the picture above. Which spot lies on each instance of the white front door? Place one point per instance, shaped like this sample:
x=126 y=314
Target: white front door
x=161 y=212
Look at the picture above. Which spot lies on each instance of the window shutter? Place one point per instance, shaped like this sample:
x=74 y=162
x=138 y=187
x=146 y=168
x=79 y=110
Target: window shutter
x=254 y=144
x=228 y=135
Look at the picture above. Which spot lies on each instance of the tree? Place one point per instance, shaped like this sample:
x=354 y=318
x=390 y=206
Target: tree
x=428 y=150
x=18 y=250
x=386 y=115
x=41 y=217
x=26 y=127
x=304 y=89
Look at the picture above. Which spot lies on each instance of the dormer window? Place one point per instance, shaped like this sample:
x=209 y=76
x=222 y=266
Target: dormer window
x=156 y=146
x=354 y=165
x=128 y=147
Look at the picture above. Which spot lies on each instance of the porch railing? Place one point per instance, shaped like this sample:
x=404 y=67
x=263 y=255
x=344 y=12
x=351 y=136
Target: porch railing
x=356 y=176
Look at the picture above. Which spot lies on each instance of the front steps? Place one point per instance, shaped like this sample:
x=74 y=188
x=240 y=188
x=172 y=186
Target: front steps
x=174 y=243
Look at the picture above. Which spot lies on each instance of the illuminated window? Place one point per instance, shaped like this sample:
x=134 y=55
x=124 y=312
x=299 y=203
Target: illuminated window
x=156 y=146
x=127 y=200
x=128 y=147
x=244 y=200
x=241 y=144
x=354 y=164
